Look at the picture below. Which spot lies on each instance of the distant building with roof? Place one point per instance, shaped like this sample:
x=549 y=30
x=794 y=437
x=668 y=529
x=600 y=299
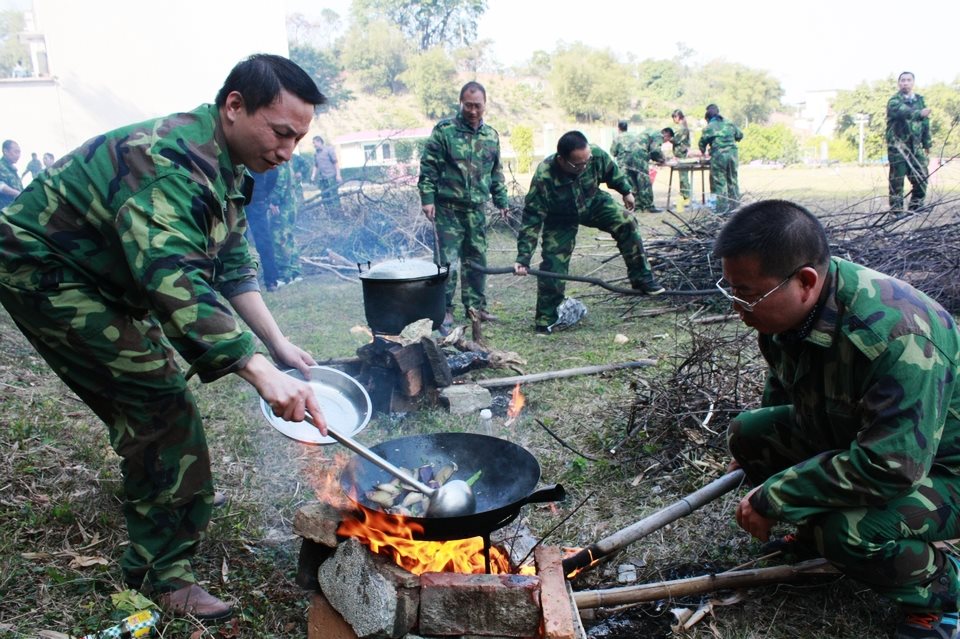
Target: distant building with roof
x=379 y=147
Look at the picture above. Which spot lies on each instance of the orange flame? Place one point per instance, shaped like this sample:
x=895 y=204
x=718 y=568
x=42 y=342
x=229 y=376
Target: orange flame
x=517 y=400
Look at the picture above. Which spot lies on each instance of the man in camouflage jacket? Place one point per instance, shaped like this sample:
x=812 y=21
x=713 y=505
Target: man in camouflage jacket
x=122 y=253
x=908 y=143
x=680 y=139
x=648 y=148
x=459 y=171
x=283 y=204
x=722 y=137
x=565 y=193
x=623 y=150
x=858 y=440
x=10 y=184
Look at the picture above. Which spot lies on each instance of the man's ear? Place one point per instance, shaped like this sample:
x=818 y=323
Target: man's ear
x=233 y=105
x=809 y=281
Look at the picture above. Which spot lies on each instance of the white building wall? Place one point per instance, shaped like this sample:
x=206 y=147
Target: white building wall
x=115 y=62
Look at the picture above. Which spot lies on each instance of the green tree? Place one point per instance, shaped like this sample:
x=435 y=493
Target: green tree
x=325 y=71
x=775 y=143
x=320 y=34
x=944 y=103
x=432 y=78
x=869 y=100
x=590 y=84
x=521 y=139
x=427 y=23
x=377 y=55
x=744 y=95
x=12 y=50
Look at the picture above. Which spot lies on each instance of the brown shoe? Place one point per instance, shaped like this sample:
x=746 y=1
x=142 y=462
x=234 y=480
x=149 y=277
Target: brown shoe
x=194 y=601
x=486 y=316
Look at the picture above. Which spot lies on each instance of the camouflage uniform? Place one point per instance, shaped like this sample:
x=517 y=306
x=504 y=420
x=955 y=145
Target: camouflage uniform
x=10 y=177
x=558 y=203
x=858 y=442
x=648 y=148
x=110 y=260
x=459 y=170
x=283 y=222
x=908 y=146
x=257 y=212
x=722 y=137
x=624 y=151
x=681 y=147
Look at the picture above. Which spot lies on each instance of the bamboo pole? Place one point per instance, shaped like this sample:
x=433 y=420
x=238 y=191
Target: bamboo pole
x=500 y=382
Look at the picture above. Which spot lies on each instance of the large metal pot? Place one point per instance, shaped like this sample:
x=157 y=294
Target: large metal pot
x=398 y=292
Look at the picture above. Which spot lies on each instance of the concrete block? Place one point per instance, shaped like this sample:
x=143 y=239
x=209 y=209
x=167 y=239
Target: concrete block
x=375 y=596
x=488 y=605
x=465 y=398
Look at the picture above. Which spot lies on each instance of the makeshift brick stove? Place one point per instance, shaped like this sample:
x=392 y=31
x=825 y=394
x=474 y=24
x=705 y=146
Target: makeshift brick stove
x=359 y=593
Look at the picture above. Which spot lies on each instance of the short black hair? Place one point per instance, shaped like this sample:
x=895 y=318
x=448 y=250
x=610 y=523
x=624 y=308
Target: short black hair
x=622 y=125
x=261 y=77
x=677 y=113
x=7 y=144
x=318 y=137
x=713 y=111
x=782 y=235
x=910 y=73
x=571 y=141
x=667 y=129
x=473 y=86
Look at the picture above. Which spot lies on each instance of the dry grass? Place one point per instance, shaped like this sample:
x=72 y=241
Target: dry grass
x=59 y=480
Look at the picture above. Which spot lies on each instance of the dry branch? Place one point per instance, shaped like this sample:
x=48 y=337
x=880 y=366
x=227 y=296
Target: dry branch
x=569 y=372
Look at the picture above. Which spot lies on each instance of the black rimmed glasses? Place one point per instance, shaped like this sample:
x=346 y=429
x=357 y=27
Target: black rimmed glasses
x=749 y=306
x=577 y=166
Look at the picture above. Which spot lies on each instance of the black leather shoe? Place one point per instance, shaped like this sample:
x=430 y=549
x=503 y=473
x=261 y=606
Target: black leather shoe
x=654 y=209
x=648 y=287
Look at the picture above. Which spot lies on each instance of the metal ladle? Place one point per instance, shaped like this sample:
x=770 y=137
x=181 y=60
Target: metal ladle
x=453 y=499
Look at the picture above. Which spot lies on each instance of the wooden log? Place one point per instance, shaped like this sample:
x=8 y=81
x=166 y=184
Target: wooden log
x=569 y=372
x=407 y=358
x=436 y=362
x=702 y=584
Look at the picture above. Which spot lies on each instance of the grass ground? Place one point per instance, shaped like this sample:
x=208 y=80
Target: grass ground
x=61 y=530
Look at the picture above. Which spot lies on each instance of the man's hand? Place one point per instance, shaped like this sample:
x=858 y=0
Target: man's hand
x=519 y=269
x=429 y=211
x=628 y=202
x=505 y=214
x=289 y=398
x=925 y=112
x=752 y=521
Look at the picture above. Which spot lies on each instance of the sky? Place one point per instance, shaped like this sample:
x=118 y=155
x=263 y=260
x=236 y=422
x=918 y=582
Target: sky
x=808 y=45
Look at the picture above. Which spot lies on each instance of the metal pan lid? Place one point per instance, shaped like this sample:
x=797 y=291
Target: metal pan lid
x=403 y=270
x=344 y=402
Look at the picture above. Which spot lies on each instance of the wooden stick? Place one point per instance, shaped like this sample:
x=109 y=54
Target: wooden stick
x=702 y=584
x=569 y=372
x=586 y=557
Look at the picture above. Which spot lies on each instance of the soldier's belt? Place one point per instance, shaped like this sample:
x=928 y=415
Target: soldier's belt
x=456 y=206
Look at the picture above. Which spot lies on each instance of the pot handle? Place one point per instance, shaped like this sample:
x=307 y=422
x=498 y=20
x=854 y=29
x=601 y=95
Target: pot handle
x=553 y=492
x=360 y=267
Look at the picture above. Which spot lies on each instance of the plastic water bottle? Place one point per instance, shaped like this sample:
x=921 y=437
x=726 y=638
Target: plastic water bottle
x=712 y=202
x=139 y=624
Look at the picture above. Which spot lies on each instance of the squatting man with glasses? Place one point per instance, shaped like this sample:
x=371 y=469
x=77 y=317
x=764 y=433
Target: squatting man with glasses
x=857 y=442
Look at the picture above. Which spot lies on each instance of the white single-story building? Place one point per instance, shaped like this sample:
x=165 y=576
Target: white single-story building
x=375 y=147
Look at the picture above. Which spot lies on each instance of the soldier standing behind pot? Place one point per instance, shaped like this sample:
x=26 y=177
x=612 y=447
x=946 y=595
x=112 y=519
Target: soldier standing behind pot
x=459 y=171
x=908 y=144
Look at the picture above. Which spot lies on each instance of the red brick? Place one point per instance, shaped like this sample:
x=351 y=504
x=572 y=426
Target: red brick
x=483 y=605
x=557 y=611
x=323 y=622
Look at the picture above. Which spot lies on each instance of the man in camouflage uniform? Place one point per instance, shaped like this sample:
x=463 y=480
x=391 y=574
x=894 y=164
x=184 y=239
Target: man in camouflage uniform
x=119 y=254
x=624 y=150
x=648 y=148
x=680 y=139
x=722 y=137
x=326 y=174
x=10 y=184
x=565 y=193
x=283 y=204
x=459 y=171
x=908 y=144
x=858 y=440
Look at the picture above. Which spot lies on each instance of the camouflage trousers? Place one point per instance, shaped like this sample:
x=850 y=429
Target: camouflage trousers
x=723 y=179
x=259 y=227
x=888 y=547
x=558 y=243
x=686 y=192
x=463 y=236
x=329 y=193
x=910 y=165
x=639 y=176
x=283 y=222
x=124 y=370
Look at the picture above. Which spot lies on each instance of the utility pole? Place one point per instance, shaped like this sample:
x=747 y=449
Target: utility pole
x=862 y=119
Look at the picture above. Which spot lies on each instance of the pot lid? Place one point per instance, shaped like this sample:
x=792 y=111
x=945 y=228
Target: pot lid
x=402 y=270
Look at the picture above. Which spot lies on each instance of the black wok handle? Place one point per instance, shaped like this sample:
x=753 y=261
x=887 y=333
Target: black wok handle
x=553 y=492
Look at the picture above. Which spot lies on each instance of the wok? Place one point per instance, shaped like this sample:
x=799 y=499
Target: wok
x=508 y=480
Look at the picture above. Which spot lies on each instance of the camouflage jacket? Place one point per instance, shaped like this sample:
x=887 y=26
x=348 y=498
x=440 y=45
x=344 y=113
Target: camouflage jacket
x=648 y=148
x=681 y=141
x=623 y=148
x=151 y=216
x=10 y=177
x=876 y=384
x=557 y=199
x=461 y=166
x=721 y=136
x=905 y=125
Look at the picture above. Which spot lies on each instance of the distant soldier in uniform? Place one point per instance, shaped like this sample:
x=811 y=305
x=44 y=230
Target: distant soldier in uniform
x=258 y=219
x=10 y=184
x=284 y=204
x=908 y=144
x=623 y=150
x=565 y=193
x=48 y=160
x=326 y=174
x=648 y=148
x=121 y=258
x=857 y=443
x=459 y=171
x=680 y=139
x=722 y=137
x=33 y=167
